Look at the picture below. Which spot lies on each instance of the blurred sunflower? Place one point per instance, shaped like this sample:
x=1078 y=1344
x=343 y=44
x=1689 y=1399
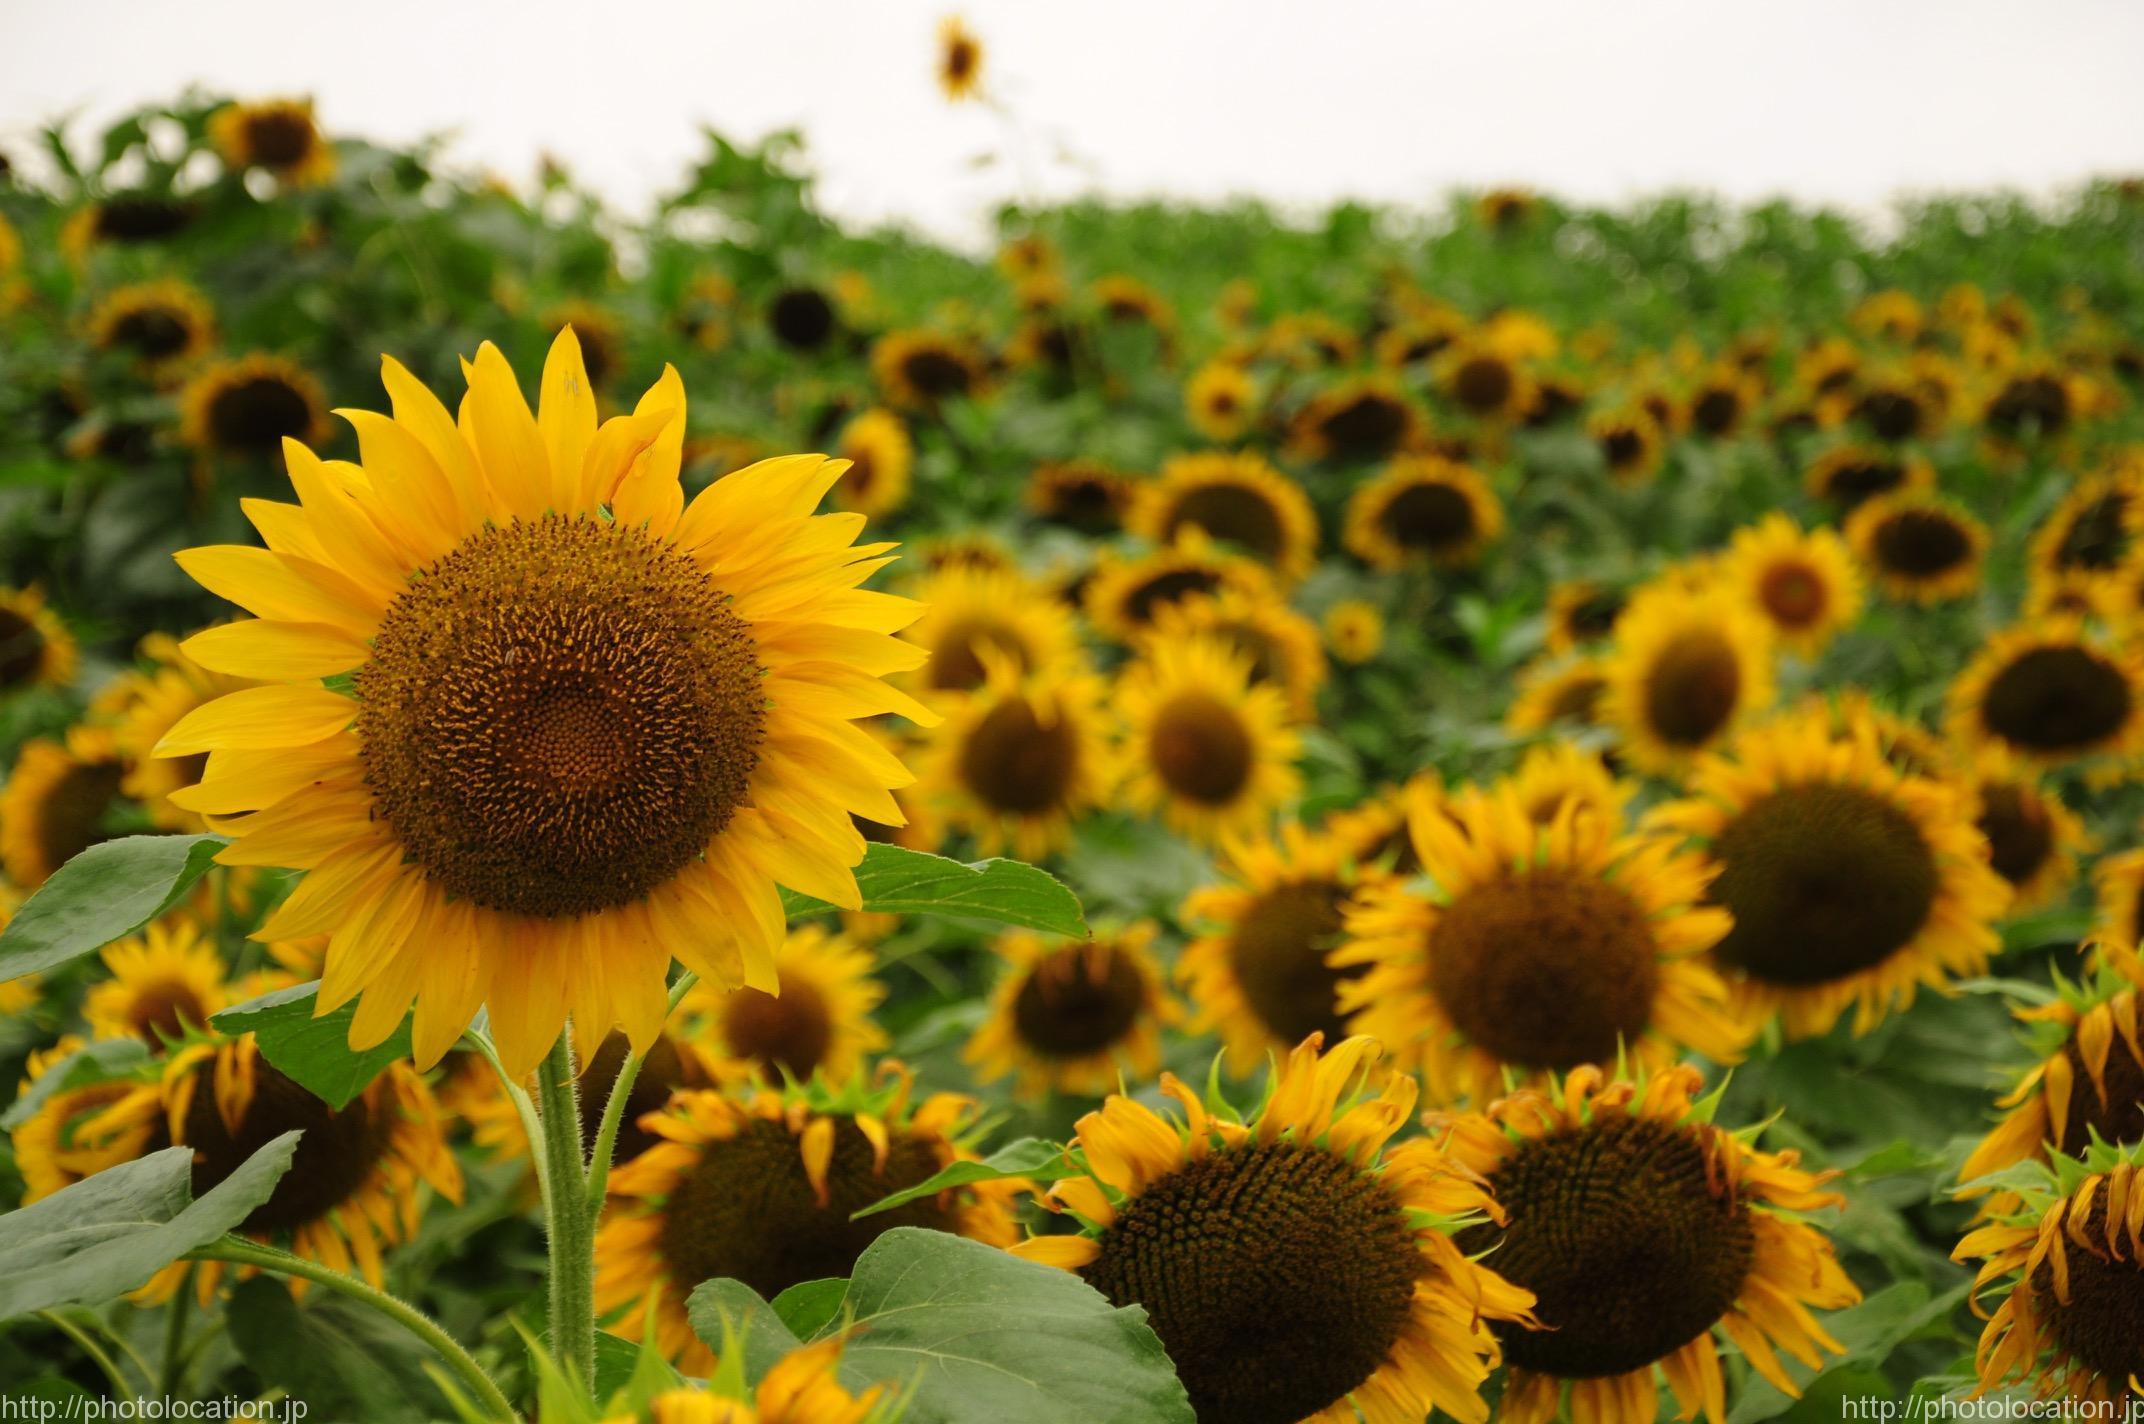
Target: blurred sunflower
x=1582 y=613
x=277 y=135
x=2116 y=939
x=36 y=649
x=1123 y=597
x=1646 y=1233
x=2095 y=526
x=1563 y=695
x=1686 y=667
x=1359 y=419
x=1200 y=1223
x=1238 y=501
x=921 y=370
x=2087 y=1087
x=1355 y=631
x=165 y=984
x=1889 y=405
x=2052 y=693
x=57 y=802
x=1721 y=401
x=1846 y=476
x=1485 y=384
x=1073 y=1016
x=145 y=704
x=1554 y=775
x=1022 y=757
x=1081 y=495
x=672 y=1063
x=248 y=407
x=1505 y=210
x=1919 y=547
x=162 y=326
x=2033 y=838
x=577 y=626
x=1630 y=442
x=761 y=1186
x=1281 y=644
x=802 y=317
x=1804 y=584
x=880 y=457
x=1124 y=301
x=973 y=616
x=126 y=219
x=820 y=1023
x=2037 y=400
x=1423 y=510
x=65 y=1139
x=960 y=60
x=1209 y=751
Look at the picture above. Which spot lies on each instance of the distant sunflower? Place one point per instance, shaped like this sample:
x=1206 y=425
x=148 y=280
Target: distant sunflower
x=820 y=1023
x=248 y=407
x=1237 y=500
x=2116 y=939
x=1359 y=419
x=2052 y=693
x=1423 y=510
x=2038 y=400
x=57 y=802
x=1071 y=1016
x=880 y=457
x=1541 y=949
x=1022 y=757
x=1804 y=584
x=1561 y=695
x=1721 y=402
x=1890 y=405
x=960 y=60
x=1081 y=495
x=975 y=615
x=1281 y=644
x=802 y=317
x=277 y=135
x=1630 y=442
x=1221 y=400
x=66 y=1139
x=1207 y=750
x=1846 y=476
x=1420 y=339
x=674 y=1062
x=165 y=984
x=1555 y=775
x=1686 y=667
x=577 y=627
x=161 y=326
x=1375 y=830
x=1304 y=340
x=1128 y=302
x=2095 y=527
x=1851 y=883
x=36 y=649
x=1355 y=631
x=1260 y=972
x=1484 y=383
x=2033 y=838
x=921 y=371
x=1122 y=598
x=127 y=219
x=1645 y=1232
x=1919 y=547
x=761 y=1186
x=1582 y=614
x=2088 y=1086
x=1294 y=1268
x=1505 y=210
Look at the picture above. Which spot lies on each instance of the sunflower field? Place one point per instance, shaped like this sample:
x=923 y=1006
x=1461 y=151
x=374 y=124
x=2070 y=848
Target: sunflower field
x=1519 y=812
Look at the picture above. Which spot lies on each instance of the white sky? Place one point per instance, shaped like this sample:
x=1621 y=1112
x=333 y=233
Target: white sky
x=1848 y=101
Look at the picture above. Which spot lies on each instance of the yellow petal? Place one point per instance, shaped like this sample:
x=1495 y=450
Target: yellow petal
x=260 y=717
x=566 y=416
x=269 y=651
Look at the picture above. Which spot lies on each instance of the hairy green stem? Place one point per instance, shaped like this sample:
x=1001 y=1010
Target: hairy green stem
x=88 y=1343
x=606 y=1144
x=570 y=1222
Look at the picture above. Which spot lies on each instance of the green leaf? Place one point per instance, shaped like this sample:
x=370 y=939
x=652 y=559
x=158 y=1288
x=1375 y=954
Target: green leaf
x=897 y=881
x=808 y=1306
x=314 y=1052
x=105 y=893
x=109 y=1233
x=344 y=1359
x=91 y=1063
x=1028 y=1157
x=753 y=1324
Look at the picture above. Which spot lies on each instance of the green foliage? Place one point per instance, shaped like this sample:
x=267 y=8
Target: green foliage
x=314 y=1051
x=107 y=892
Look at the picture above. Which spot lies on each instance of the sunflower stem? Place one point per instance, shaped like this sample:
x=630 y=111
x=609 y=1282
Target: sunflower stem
x=174 y=1366
x=269 y=1258
x=571 y=1223
x=121 y=1389
x=606 y=1146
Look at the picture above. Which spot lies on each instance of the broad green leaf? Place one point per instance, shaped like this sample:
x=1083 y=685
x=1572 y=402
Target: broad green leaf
x=109 y=1233
x=752 y=1323
x=807 y=1306
x=345 y=1360
x=91 y=1063
x=105 y=893
x=314 y=1052
x=1028 y=1157
x=897 y=881
x=619 y=1359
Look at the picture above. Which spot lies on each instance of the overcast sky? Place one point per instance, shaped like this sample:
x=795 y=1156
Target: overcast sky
x=1849 y=101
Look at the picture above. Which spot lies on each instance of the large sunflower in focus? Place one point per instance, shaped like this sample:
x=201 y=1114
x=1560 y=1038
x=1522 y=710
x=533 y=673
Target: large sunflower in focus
x=583 y=725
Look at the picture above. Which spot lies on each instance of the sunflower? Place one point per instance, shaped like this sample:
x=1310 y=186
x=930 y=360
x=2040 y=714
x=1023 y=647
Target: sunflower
x=2095 y=527
x=1505 y=210
x=1686 y=667
x=1236 y=500
x=1419 y=339
x=64 y=1142
x=590 y=724
x=165 y=983
x=1128 y=302
x=1721 y=402
x=2052 y=693
x=975 y=615
x=820 y=1023
x=2088 y=1086
x=1375 y=829
x=1359 y=419
x=1804 y=584
x=1423 y=509
x=1553 y=775
x=2038 y=400
x=1125 y=593
x=56 y=802
x=880 y=457
x=1645 y=1233
x=1581 y=614
x=1209 y=750
x=1919 y=547
x=145 y=704
x=960 y=60
x=1282 y=644
x=1294 y=1268
x=2033 y=838
x=760 y=1185
x=129 y=219
x=1890 y=405
x=802 y=317
x=36 y=650
x=1484 y=383
x=1904 y=742
x=1845 y=476
x=248 y=407
x=1308 y=339
x=1081 y=495
x=1630 y=442
x=1355 y=630
x=1851 y=882
x=1561 y=695
x=921 y=371
x=2070 y=1261
x=673 y=1063
x=160 y=326
x=1260 y=972
x=1022 y=757
x=802 y=1388
x=1072 y=1016
x=277 y=135
x=1543 y=948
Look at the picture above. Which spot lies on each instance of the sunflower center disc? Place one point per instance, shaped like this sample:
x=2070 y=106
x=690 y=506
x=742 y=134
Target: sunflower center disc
x=1016 y=763
x=1278 y=955
x=2056 y=700
x=334 y=1159
x=2098 y=537
x=788 y=1032
x=1232 y=514
x=1693 y=688
x=558 y=716
x=1792 y=594
x=2103 y=1324
x=1278 y=1277
x=2118 y=1117
x=256 y=414
x=163 y=1011
x=1366 y=426
x=748 y=1210
x=956 y=663
x=2020 y=834
x=22 y=649
x=1824 y=881
x=1078 y=1001
x=70 y=818
x=151 y=332
x=1427 y=516
x=1545 y=969
x=1619 y=1229
x=1201 y=749
x=279 y=139
x=1483 y=384
x=1921 y=543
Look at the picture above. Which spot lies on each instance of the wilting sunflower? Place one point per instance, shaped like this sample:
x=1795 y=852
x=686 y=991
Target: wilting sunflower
x=1630 y=442
x=161 y=326
x=57 y=802
x=921 y=370
x=760 y=1185
x=1804 y=584
x=1295 y=1270
x=1355 y=630
x=277 y=135
x=1081 y=495
x=960 y=60
x=1259 y=973
x=1918 y=546
x=1204 y=747
x=1851 y=882
x=1645 y=1233
x=1561 y=695
x=2088 y=1084
x=1282 y=644
x=1423 y=510
x=1124 y=593
x=1847 y=475
x=248 y=407
x=590 y=724
x=1236 y=500
x=1687 y=666
x=1484 y=383
x=2033 y=838
x=880 y=457
x=1359 y=419
x=802 y=1388
x=36 y=650
x=1541 y=949
x=165 y=983
x=2052 y=693
x=1022 y=757
x=2070 y=1263
x=1073 y=1016
x=64 y=1141
x=975 y=615
x=820 y=1023
x=2095 y=526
